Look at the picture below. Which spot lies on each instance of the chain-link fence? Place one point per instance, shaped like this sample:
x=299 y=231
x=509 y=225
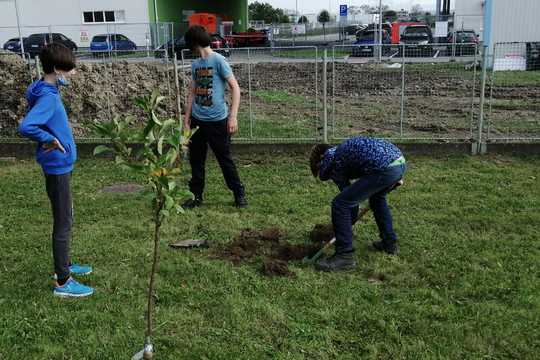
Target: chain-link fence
x=99 y=90
x=281 y=97
x=297 y=94
x=514 y=97
x=403 y=91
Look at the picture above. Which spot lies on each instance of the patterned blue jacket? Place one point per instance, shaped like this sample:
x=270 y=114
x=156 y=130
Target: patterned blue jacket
x=356 y=157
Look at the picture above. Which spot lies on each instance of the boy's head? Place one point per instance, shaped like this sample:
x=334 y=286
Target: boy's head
x=197 y=37
x=316 y=156
x=57 y=58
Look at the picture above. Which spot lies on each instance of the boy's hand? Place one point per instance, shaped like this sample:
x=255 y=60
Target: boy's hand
x=187 y=122
x=53 y=145
x=232 y=125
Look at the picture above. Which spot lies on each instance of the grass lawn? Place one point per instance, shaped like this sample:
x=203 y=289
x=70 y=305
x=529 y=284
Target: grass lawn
x=465 y=285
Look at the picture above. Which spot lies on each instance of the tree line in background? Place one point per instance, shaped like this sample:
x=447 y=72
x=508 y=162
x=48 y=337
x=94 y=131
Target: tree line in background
x=260 y=11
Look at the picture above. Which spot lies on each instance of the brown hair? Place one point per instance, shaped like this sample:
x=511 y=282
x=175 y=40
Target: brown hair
x=316 y=156
x=197 y=36
x=56 y=56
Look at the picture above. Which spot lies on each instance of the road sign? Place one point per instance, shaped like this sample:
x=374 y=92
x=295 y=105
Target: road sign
x=343 y=10
x=441 y=29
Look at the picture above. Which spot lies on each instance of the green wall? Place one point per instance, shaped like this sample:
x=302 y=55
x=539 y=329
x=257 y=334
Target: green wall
x=171 y=11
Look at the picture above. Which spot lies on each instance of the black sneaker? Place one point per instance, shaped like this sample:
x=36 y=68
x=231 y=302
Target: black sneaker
x=391 y=249
x=240 y=201
x=192 y=203
x=337 y=262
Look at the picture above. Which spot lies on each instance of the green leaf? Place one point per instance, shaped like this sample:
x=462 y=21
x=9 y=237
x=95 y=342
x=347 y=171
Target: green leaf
x=156 y=119
x=172 y=155
x=160 y=145
x=172 y=185
x=100 y=149
x=180 y=209
x=169 y=202
x=165 y=213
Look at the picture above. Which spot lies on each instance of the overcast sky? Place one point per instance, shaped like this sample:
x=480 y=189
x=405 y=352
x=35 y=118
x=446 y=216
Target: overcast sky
x=314 y=6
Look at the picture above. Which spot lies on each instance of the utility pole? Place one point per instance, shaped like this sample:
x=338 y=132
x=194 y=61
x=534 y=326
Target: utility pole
x=19 y=27
x=380 y=31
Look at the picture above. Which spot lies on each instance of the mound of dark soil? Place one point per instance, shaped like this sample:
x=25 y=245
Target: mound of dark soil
x=273 y=267
x=251 y=244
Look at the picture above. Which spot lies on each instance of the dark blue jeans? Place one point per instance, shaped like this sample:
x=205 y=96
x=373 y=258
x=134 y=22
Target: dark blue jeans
x=374 y=187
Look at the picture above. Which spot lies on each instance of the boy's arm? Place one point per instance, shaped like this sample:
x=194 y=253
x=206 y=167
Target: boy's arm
x=39 y=115
x=189 y=104
x=233 y=116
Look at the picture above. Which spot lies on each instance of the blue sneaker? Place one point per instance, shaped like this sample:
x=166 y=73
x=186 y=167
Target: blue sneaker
x=72 y=289
x=77 y=269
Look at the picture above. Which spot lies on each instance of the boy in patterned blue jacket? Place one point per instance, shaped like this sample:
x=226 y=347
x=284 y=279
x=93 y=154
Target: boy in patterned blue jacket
x=378 y=165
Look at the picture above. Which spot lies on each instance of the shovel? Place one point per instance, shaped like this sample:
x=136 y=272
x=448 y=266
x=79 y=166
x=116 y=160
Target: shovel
x=312 y=259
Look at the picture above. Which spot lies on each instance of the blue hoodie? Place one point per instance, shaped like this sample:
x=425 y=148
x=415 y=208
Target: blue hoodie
x=45 y=121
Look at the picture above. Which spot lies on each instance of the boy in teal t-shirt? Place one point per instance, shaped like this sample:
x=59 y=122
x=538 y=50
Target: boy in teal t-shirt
x=207 y=110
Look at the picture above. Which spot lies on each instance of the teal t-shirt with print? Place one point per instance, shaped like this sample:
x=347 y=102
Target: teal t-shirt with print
x=210 y=79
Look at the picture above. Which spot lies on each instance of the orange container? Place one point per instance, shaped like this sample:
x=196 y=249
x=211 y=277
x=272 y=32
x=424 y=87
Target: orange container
x=206 y=20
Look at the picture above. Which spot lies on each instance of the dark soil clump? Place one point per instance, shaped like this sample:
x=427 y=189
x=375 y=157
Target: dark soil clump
x=272 y=267
x=250 y=244
x=291 y=252
x=321 y=233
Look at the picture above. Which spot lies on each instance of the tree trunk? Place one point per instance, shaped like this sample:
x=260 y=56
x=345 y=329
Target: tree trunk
x=324 y=31
x=150 y=307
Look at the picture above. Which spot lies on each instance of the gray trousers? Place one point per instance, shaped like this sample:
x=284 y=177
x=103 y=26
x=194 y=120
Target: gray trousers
x=59 y=192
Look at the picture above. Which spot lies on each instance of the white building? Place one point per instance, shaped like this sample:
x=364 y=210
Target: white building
x=79 y=20
x=513 y=25
x=512 y=21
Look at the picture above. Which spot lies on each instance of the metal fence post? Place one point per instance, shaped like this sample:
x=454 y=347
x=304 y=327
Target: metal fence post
x=316 y=87
x=38 y=68
x=249 y=96
x=325 y=97
x=491 y=85
x=333 y=92
x=474 y=89
x=177 y=86
x=402 y=109
x=480 y=148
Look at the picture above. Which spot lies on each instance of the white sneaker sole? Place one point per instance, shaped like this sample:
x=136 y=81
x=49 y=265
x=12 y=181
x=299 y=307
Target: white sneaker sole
x=61 y=294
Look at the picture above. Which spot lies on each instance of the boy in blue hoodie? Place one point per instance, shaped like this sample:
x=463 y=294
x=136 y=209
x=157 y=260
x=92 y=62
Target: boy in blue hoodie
x=47 y=124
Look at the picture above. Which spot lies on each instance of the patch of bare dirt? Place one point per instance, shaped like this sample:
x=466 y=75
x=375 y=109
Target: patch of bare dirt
x=252 y=244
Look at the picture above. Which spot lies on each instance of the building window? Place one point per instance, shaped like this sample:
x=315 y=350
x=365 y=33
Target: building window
x=109 y=16
x=88 y=17
x=98 y=16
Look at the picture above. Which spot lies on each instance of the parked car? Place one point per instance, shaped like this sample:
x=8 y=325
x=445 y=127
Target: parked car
x=218 y=44
x=353 y=29
x=366 y=41
x=14 y=45
x=418 y=40
x=385 y=26
x=35 y=42
x=109 y=42
x=466 y=42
